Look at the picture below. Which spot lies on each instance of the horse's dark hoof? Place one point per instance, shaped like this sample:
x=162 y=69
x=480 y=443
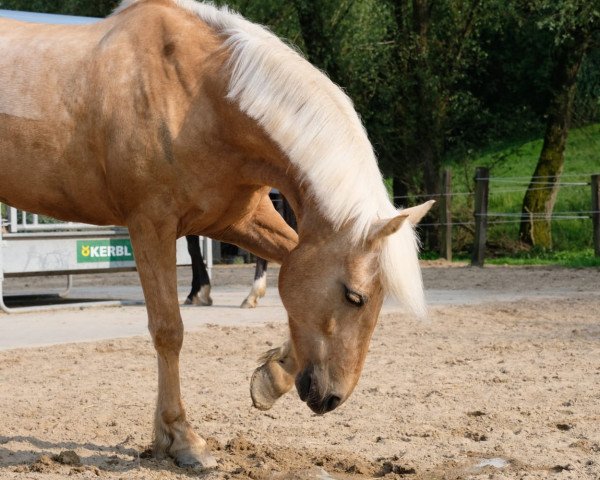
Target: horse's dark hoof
x=197 y=300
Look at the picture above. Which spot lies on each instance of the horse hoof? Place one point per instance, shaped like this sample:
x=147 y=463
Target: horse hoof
x=197 y=462
x=268 y=383
x=203 y=297
x=205 y=302
x=248 y=303
x=262 y=396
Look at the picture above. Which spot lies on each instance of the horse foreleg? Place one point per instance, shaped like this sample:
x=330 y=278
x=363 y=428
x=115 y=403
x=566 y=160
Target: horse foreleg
x=259 y=286
x=274 y=378
x=264 y=233
x=154 y=248
x=200 y=293
x=267 y=235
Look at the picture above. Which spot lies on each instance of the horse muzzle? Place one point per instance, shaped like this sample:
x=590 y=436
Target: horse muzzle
x=308 y=389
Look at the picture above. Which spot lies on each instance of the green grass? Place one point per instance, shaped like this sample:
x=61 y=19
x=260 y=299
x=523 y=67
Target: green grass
x=582 y=155
x=579 y=259
x=511 y=166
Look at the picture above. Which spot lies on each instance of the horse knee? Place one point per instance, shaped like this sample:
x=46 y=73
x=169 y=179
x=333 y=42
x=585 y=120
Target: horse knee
x=167 y=337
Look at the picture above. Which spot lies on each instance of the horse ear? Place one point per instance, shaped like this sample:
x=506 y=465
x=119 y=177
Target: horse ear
x=384 y=228
x=415 y=214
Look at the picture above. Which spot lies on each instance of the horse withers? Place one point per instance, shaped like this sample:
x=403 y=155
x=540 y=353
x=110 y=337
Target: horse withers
x=175 y=118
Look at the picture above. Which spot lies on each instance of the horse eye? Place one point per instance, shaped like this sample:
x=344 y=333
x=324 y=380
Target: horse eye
x=356 y=299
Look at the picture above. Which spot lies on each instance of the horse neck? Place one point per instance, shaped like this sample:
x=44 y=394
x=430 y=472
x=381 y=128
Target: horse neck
x=278 y=172
x=264 y=163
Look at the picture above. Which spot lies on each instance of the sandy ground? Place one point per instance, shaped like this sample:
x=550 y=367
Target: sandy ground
x=505 y=390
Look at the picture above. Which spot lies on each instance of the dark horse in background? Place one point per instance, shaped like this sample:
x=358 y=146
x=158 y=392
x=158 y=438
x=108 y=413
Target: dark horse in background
x=200 y=292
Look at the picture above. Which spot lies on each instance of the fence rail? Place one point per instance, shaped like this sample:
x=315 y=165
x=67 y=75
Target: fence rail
x=29 y=222
x=483 y=217
x=481 y=220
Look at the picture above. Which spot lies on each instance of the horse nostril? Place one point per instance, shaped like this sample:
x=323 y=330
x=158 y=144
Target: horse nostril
x=331 y=403
x=304 y=383
x=325 y=405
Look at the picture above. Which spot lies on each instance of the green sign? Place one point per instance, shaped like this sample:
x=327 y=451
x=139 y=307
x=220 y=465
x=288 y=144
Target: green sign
x=114 y=250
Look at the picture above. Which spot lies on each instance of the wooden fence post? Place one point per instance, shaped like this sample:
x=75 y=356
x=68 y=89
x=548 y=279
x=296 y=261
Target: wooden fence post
x=482 y=175
x=596 y=213
x=446 y=215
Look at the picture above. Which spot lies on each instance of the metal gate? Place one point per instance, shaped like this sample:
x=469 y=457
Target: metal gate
x=33 y=245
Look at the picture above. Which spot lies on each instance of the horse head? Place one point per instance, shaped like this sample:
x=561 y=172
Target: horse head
x=333 y=290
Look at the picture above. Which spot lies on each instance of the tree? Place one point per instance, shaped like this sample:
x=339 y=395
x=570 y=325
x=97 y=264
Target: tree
x=434 y=43
x=575 y=25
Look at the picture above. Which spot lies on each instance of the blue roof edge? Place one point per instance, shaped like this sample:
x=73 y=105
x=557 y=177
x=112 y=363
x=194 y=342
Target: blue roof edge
x=50 y=18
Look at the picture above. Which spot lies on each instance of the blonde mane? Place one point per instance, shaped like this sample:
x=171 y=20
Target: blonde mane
x=316 y=125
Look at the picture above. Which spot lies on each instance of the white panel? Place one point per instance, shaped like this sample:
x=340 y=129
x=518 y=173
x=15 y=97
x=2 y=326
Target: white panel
x=37 y=255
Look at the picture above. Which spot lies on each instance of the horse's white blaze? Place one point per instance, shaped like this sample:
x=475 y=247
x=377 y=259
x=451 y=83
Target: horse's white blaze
x=316 y=125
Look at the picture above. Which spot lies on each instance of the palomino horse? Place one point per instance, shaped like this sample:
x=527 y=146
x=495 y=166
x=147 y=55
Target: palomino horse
x=171 y=117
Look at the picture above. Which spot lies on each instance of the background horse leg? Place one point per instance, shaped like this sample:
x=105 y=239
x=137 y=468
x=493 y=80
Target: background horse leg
x=259 y=286
x=155 y=253
x=200 y=293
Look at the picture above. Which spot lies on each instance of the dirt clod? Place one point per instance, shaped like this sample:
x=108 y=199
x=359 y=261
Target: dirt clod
x=41 y=465
x=476 y=413
x=561 y=468
x=476 y=437
x=44 y=460
x=389 y=468
x=67 y=457
x=564 y=427
x=147 y=453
